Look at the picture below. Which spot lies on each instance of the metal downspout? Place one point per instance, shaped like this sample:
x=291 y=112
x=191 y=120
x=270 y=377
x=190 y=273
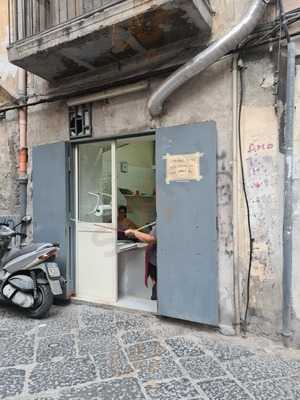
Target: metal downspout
x=208 y=57
x=288 y=197
x=22 y=118
x=235 y=198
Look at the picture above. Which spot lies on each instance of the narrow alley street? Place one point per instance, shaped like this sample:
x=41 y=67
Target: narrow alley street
x=83 y=352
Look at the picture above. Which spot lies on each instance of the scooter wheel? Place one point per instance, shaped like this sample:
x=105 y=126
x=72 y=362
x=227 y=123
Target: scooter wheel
x=42 y=304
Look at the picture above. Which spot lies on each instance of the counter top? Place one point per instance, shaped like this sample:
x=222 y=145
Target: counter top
x=126 y=246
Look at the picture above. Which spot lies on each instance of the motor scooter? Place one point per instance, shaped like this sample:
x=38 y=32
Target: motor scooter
x=29 y=275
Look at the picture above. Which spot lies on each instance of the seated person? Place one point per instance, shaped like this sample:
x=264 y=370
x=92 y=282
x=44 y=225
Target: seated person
x=124 y=223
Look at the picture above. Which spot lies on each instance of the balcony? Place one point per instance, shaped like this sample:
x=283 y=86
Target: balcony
x=83 y=41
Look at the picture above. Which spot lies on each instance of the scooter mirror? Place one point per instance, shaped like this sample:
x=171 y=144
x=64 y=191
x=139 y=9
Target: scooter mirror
x=27 y=219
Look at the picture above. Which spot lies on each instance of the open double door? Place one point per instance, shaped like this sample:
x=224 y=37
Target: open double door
x=186 y=218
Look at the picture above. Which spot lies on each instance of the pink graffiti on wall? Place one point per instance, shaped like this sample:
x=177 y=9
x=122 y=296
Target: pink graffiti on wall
x=260 y=171
x=260 y=147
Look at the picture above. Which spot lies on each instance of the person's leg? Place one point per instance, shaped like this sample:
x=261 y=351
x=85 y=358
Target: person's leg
x=153 y=276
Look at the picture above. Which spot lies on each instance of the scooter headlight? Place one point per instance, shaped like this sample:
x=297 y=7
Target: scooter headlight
x=53 y=270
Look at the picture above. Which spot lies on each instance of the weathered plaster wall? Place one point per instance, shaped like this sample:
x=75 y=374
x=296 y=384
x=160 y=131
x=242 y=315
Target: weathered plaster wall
x=7 y=71
x=8 y=166
x=8 y=128
x=207 y=97
x=263 y=170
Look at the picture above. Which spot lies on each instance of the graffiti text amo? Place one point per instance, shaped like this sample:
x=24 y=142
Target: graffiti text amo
x=254 y=148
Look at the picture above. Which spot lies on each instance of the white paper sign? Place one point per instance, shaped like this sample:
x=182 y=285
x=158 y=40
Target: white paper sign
x=183 y=167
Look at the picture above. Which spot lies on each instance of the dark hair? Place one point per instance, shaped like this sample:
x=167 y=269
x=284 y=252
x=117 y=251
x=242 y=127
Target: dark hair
x=124 y=208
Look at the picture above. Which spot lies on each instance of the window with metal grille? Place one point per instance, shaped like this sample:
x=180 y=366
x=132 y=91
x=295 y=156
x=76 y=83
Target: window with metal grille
x=80 y=121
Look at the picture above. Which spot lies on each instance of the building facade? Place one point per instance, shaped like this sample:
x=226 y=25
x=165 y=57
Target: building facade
x=91 y=70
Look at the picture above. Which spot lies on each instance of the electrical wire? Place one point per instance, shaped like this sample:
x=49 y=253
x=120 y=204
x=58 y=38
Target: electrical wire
x=283 y=21
x=269 y=41
x=273 y=28
x=251 y=239
x=279 y=52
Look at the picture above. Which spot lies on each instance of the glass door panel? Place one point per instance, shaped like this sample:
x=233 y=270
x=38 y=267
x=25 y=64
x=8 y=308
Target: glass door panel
x=96 y=222
x=95 y=183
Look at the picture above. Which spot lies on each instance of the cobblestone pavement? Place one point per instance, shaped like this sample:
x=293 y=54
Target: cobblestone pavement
x=83 y=352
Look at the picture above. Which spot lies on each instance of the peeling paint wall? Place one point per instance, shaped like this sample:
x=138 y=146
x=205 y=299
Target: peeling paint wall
x=207 y=97
x=8 y=128
x=264 y=178
x=7 y=71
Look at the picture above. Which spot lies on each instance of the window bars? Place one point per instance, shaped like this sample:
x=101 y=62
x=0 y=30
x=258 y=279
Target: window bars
x=80 y=121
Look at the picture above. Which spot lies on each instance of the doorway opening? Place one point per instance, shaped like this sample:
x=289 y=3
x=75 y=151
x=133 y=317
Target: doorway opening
x=136 y=202
x=116 y=191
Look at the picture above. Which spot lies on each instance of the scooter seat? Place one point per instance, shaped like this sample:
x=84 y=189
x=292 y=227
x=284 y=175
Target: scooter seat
x=15 y=252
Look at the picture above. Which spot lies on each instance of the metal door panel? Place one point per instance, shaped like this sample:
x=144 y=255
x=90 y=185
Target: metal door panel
x=186 y=227
x=51 y=201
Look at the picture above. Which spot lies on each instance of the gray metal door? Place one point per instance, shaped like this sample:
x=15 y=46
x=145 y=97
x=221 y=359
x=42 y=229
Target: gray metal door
x=51 y=176
x=186 y=222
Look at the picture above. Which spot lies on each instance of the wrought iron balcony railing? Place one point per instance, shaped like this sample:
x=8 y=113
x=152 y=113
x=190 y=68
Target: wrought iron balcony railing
x=32 y=17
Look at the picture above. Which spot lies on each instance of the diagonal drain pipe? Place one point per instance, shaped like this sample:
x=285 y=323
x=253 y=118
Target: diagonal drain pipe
x=208 y=57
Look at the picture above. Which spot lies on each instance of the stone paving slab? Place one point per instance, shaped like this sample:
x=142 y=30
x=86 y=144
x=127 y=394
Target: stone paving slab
x=55 y=328
x=102 y=321
x=35 y=398
x=253 y=369
x=68 y=372
x=12 y=382
x=11 y=319
x=224 y=389
x=172 y=390
x=157 y=369
x=137 y=336
x=225 y=352
x=96 y=316
x=16 y=350
x=123 y=389
x=126 y=321
x=59 y=323
x=142 y=351
x=46 y=397
x=202 y=367
x=92 y=342
x=94 y=353
x=112 y=365
x=281 y=389
x=53 y=347
x=183 y=347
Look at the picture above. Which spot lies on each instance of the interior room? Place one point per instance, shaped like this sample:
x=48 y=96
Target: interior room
x=136 y=202
x=116 y=192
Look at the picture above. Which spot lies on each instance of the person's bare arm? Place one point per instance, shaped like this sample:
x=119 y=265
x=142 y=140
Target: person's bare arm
x=143 y=237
